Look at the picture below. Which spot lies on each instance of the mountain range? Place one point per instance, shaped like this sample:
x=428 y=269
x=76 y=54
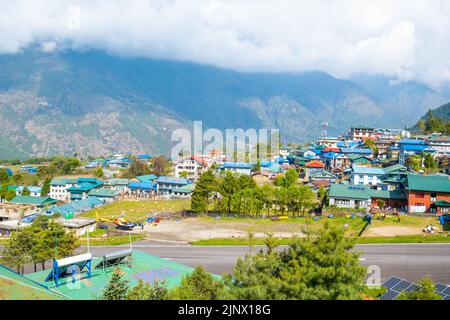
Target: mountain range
x=93 y=103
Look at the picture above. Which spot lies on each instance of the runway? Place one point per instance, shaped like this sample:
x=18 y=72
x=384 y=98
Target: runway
x=408 y=261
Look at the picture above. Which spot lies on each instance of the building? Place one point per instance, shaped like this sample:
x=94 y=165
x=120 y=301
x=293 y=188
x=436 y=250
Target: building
x=425 y=191
x=144 y=189
x=366 y=175
x=144 y=178
x=58 y=188
x=119 y=185
x=79 y=226
x=440 y=144
x=34 y=190
x=40 y=202
x=77 y=207
x=185 y=192
x=363 y=197
x=80 y=190
x=168 y=185
x=190 y=168
x=315 y=164
x=107 y=195
x=357 y=133
x=236 y=167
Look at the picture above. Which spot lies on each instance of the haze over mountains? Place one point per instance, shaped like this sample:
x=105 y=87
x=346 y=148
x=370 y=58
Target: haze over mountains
x=92 y=103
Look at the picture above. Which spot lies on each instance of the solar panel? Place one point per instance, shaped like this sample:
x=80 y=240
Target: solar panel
x=413 y=287
x=402 y=286
x=446 y=298
x=390 y=295
x=440 y=287
x=392 y=282
x=441 y=294
x=446 y=291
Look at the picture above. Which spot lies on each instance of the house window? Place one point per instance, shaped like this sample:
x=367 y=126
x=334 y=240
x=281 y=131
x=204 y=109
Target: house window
x=420 y=195
x=419 y=205
x=433 y=197
x=342 y=201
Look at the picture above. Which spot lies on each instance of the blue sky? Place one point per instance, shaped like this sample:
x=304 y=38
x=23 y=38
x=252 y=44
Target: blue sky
x=406 y=40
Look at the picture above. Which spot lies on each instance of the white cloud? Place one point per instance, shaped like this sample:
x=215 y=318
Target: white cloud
x=403 y=39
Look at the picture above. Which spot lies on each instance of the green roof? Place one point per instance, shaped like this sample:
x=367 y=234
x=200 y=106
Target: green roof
x=103 y=193
x=432 y=183
x=186 y=189
x=363 y=193
x=394 y=168
x=143 y=266
x=63 y=182
x=349 y=191
x=147 y=178
x=40 y=201
x=442 y=203
x=14 y=286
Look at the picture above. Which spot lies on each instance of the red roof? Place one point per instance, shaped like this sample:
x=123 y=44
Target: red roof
x=315 y=164
x=331 y=150
x=200 y=160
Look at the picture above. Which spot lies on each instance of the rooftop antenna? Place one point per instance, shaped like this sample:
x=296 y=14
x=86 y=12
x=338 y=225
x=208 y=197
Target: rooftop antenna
x=324 y=129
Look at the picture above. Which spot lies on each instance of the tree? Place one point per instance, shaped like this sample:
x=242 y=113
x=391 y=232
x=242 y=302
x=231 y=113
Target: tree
x=316 y=268
x=184 y=174
x=26 y=192
x=117 y=288
x=227 y=189
x=322 y=196
x=15 y=254
x=18 y=177
x=429 y=161
x=157 y=290
x=137 y=168
x=10 y=194
x=381 y=203
x=99 y=172
x=161 y=165
x=46 y=187
x=427 y=292
x=257 y=167
x=290 y=178
x=204 y=188
x=3 y=175
x=198 y=285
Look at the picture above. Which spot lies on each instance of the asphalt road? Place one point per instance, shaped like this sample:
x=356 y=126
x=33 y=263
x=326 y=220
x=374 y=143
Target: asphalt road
x=408 y=261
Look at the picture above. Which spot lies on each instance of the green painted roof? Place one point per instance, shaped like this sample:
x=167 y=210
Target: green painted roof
x=394 y=168
x=147 y=178
x=432 y=183
x=40 y=201
x=442 y=203
x=186 y=189
x=363 y=193
x=14 y=286
x=349 y=191
x=103 y=193
x=144 y=266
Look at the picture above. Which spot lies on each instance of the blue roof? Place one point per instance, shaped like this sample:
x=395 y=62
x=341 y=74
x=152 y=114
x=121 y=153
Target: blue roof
x=237 y=165
x=418 y=148
x=367 y=170
x=265 y=164
x=33 y=189
x=144 y=156
x=78 y=206
x=356 y=150
x=411 y=141
x=344 y=144
x=142 y=185
x=331 y=155
x=172 y=180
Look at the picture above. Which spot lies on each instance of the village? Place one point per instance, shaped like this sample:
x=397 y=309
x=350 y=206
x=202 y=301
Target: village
x=365 y=171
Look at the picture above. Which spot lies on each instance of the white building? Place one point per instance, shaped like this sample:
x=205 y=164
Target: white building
x=190 y=168
x=440 y=144
x=235 y=167
x=366 y=175
x=58 y=188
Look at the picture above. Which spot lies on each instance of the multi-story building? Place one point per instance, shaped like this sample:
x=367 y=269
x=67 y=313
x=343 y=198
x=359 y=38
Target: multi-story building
x=424 y=191
x=440 y=144
x=190 y=168
x=366 y=175
x=357 y=133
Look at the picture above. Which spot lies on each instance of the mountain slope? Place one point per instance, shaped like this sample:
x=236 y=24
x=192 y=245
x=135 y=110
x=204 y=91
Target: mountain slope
x=92 y=103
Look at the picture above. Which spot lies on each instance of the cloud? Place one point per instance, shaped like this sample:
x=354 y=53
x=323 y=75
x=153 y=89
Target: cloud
x=401 y=39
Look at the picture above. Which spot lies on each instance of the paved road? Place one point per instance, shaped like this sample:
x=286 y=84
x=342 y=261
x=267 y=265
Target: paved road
x=409 y=261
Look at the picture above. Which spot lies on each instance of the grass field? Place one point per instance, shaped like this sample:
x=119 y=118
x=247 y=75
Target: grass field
x=112 y=241
x=138 y=210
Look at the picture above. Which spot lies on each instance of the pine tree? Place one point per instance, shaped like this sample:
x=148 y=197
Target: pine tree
x=25 y=192
x=203 y=190
x=157 y=290
x=198 y=285
x=10 y=194
x=3 y=175
x=427 y=292
x=46 y=187
x=117 y=288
